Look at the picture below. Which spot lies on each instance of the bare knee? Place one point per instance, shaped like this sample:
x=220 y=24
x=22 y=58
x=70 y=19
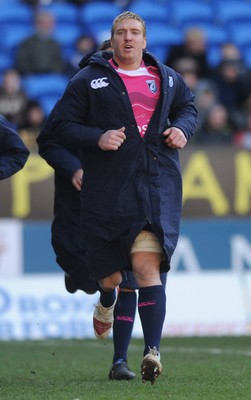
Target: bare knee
x=146 y=268
x=111 y=282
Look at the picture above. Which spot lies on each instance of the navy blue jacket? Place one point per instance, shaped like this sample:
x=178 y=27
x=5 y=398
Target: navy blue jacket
x=66 y=237
x=13 y=152
x=141 y=182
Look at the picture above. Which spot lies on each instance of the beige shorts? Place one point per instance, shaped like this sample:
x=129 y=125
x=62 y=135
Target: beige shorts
x=146 y=241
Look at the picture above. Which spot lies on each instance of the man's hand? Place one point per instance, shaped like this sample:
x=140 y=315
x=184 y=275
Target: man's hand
x=175 y=138
x=112 y=139
x=77 y=179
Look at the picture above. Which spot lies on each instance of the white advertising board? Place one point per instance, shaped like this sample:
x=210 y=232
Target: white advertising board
x=38 y=307
x=11 y=256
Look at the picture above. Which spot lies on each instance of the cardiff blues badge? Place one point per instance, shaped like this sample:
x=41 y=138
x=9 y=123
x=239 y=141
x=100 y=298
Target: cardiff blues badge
x=152 y=86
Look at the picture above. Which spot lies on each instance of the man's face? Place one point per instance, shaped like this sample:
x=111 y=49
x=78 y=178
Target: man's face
x=128 y=43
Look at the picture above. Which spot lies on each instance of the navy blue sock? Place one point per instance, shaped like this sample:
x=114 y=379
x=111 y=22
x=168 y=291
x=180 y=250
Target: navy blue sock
x=152 y=312
x=107 y=298
x=124 y=315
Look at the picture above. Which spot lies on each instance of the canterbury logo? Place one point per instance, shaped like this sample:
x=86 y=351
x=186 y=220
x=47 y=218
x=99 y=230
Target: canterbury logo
x=99 y=83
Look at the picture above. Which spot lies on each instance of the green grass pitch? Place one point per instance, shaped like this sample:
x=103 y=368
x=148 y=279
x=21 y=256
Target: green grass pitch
x=200 y=368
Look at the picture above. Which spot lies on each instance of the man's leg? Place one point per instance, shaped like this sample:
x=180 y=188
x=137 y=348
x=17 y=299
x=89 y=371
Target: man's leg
x=146 y=258
x=124 y=314
x=104 y=309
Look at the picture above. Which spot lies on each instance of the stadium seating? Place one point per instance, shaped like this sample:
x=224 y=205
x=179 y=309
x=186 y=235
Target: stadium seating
x=50 y=84
x=247 y=56
x=13 y=36
x=160 y=37
x=6 y=61
x=239 y=33
x=63 y=12
x=8 y=2
x=66 y=35
x=47 y=102
x=45 y=88
x=166 y=20
x=150 y=11
x=97 y=18
x=214 y=34
x=191 y=11
x=233 y=11
x=15 y=15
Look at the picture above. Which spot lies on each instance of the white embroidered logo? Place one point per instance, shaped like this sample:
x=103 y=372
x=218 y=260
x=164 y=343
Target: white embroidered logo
x=170 y=81
x=99 y=83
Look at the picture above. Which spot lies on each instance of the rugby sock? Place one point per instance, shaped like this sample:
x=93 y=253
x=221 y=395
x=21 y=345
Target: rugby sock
x=107 y=298
x=124 y=314
x=152 y=311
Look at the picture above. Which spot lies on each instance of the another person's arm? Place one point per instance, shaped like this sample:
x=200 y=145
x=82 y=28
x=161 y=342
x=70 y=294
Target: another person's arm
x=13 y=152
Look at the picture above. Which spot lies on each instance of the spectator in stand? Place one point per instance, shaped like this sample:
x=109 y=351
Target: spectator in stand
x=233 y=81
x=206 y=95
x=13 y=153
x=189 y=69
x=242 y=138
x=40 y=53
x=13 y=98
x=229 y=51
x=85 y=44
x=195 y=47
x=217 y=128
x=205 y=90
x=34 y=118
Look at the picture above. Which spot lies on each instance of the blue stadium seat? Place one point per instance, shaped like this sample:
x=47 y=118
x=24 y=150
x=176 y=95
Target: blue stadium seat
x=191 y=11
x=6 y=61
x=14 y=35
x=233 y=11
x=246 y=52
x=214 y=55
x=150 y=11
x=239 y=33
x=160 y=37
x=214 y=34
x=66 y=35
x=47 y=102
x=16 y=15
x=97 y=18
x=8 y=2
x=63 y=12
x=51 y=84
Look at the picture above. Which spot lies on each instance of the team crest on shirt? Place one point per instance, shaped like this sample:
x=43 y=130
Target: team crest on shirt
x=152 y=86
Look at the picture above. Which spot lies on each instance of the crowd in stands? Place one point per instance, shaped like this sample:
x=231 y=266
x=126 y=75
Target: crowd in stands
x=223 y=90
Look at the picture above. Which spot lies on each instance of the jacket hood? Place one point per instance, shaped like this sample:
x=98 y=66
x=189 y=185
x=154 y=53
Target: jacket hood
x=94 y=56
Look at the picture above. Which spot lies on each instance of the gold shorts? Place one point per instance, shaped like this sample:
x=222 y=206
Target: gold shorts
x=146 y=241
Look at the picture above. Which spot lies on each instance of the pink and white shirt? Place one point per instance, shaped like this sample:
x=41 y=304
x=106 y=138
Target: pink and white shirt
x=143 y=92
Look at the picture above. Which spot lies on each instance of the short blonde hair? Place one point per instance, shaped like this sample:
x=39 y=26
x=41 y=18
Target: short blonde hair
x=128 y=15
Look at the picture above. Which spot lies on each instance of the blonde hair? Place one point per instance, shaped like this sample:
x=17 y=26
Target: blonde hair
x=128 y=15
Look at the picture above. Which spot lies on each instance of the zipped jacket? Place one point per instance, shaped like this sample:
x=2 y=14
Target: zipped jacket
x=139 y=184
